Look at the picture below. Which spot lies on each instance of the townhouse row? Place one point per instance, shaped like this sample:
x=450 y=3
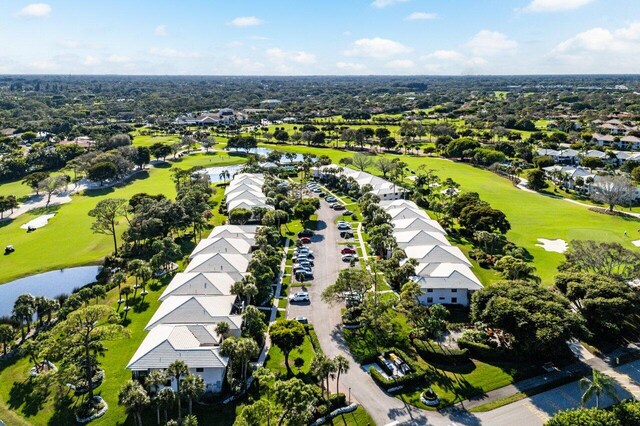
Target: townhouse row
x=195 y=301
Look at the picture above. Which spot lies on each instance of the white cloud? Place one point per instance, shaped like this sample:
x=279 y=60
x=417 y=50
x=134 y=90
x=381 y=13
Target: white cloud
x=400 y=64
x=491 y=43
x=447 y=55
x=90 y=61
x=173 y=53
x=555 y=5
x=160 y=31
x=245 y=21
x=623 y=40
x=300 y=57
x=421 y=16
x=377 y=48
x=350 y=66
x=118 y=59
x=38 y=10
x=384 y=3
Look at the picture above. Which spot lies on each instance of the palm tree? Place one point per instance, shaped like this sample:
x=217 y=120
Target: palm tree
x=178 y=369
x=192 y=388
x=153 y=381
x=190 y=420
x=600 y=384
x=222 y=329
x=23 y=310
x=342 y=366
x=126 y=291
x=7 y=334
x=118 y=279
x=133 y=396
x=165 y=398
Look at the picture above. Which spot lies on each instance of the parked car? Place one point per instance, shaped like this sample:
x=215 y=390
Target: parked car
x=348 y=250
x=302 y=256
x=303 y=250
x=305 y=240
x=321 y=194
x=344 y=226
x=349 y=257
x=305 y=233
x=347 y=213
x=331 y=199
x=304 y=263
x=316 y=190
x=346 y=234
x=302 y=320
x=301 y=296
x=304 y=276
x=339 y=207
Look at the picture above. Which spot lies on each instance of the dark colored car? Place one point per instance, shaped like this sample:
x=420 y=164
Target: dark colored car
x=305 y=240
x=348 y=250
x=339 y=207
x=346 y=234
x=305 y=233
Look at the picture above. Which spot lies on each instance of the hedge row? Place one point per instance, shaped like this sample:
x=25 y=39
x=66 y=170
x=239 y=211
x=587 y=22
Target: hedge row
x=313 y=337
x=486 y=352
x=431 y=351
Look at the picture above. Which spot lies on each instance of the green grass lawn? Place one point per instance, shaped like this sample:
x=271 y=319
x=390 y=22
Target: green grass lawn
x=357 y=418
x=68 y=240
x=275 y=358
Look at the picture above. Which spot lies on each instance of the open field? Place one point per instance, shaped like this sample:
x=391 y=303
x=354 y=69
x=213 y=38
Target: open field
x=68 y=240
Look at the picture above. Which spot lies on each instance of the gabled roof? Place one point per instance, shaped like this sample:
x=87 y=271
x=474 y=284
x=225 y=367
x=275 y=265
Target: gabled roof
x=605 y=138
x=406 y=213
x=420 y=238
x=551 y=152
x=247 y=232
x=222 y=245
x=219 y=262
x=436 y=254
x=243 y=186
x=196 y=345
x=449 y=276
x=196 y=310
x=245 y=193
x=247 y=203
x=595 y=153
x=388 y=205
x=199 y=284
x=417 y=223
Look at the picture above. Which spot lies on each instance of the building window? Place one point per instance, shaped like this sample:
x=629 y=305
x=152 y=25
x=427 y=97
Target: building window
x=429 y=290
x=199 y=370
x=441 y=298
x=454 y=290
x=454 y=300
x=429 y=299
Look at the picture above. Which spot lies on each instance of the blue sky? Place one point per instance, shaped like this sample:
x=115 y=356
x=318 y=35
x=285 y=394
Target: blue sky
x=305 y=37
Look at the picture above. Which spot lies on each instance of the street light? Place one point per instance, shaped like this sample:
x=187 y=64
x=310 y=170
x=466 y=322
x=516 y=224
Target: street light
x=349 y=396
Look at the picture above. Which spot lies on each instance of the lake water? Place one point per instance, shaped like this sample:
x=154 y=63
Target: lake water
x=266 y=151
x=49 y=284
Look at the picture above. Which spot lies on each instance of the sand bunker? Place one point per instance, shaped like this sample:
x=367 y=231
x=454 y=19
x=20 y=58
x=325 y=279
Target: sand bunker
x=38 y=222
x=636 y=243
x=558 y=246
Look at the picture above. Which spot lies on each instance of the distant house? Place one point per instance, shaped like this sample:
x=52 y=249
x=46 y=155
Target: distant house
x=406 y=213
x=247 y=232
x=199 y=284
x=630 y=143
x=81 y=141
x=207 y=310
x=223 y=117
x=446 y=283
x=248 y=204
x=382 y=188
x=196 y=345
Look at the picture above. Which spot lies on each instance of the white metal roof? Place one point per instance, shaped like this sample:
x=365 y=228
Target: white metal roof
x=449 y=276
x=436 y=254
x=222 y=245
x=417 y=223
x=420 y=238
x=219 y=262
x=196 y=345
x=196 y=310
x=199 y=284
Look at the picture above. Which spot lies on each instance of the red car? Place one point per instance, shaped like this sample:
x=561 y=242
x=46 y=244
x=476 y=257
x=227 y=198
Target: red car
x=347 y=250
x=305 y=240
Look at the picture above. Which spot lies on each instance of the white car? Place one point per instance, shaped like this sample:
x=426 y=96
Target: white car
x=349 y=257
x=344 y=226
x=301 y=296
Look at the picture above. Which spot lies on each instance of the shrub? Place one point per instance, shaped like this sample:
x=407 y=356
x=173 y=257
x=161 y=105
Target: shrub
x=313 y=337
x=431 y=351
x=406 y=380
x=336 y=401
x=482 y=351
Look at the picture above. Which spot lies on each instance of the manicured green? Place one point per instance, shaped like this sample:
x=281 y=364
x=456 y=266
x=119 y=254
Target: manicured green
x=68 y=240
x=357 y=418
x=275 y=358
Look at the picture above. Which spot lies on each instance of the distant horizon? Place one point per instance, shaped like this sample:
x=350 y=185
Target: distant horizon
x=322 y=75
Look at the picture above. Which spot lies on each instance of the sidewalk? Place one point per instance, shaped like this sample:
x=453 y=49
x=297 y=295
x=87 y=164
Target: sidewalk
x=524 y=386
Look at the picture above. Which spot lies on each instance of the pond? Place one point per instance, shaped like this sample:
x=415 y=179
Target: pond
x=49 y=284
x=214 y=172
